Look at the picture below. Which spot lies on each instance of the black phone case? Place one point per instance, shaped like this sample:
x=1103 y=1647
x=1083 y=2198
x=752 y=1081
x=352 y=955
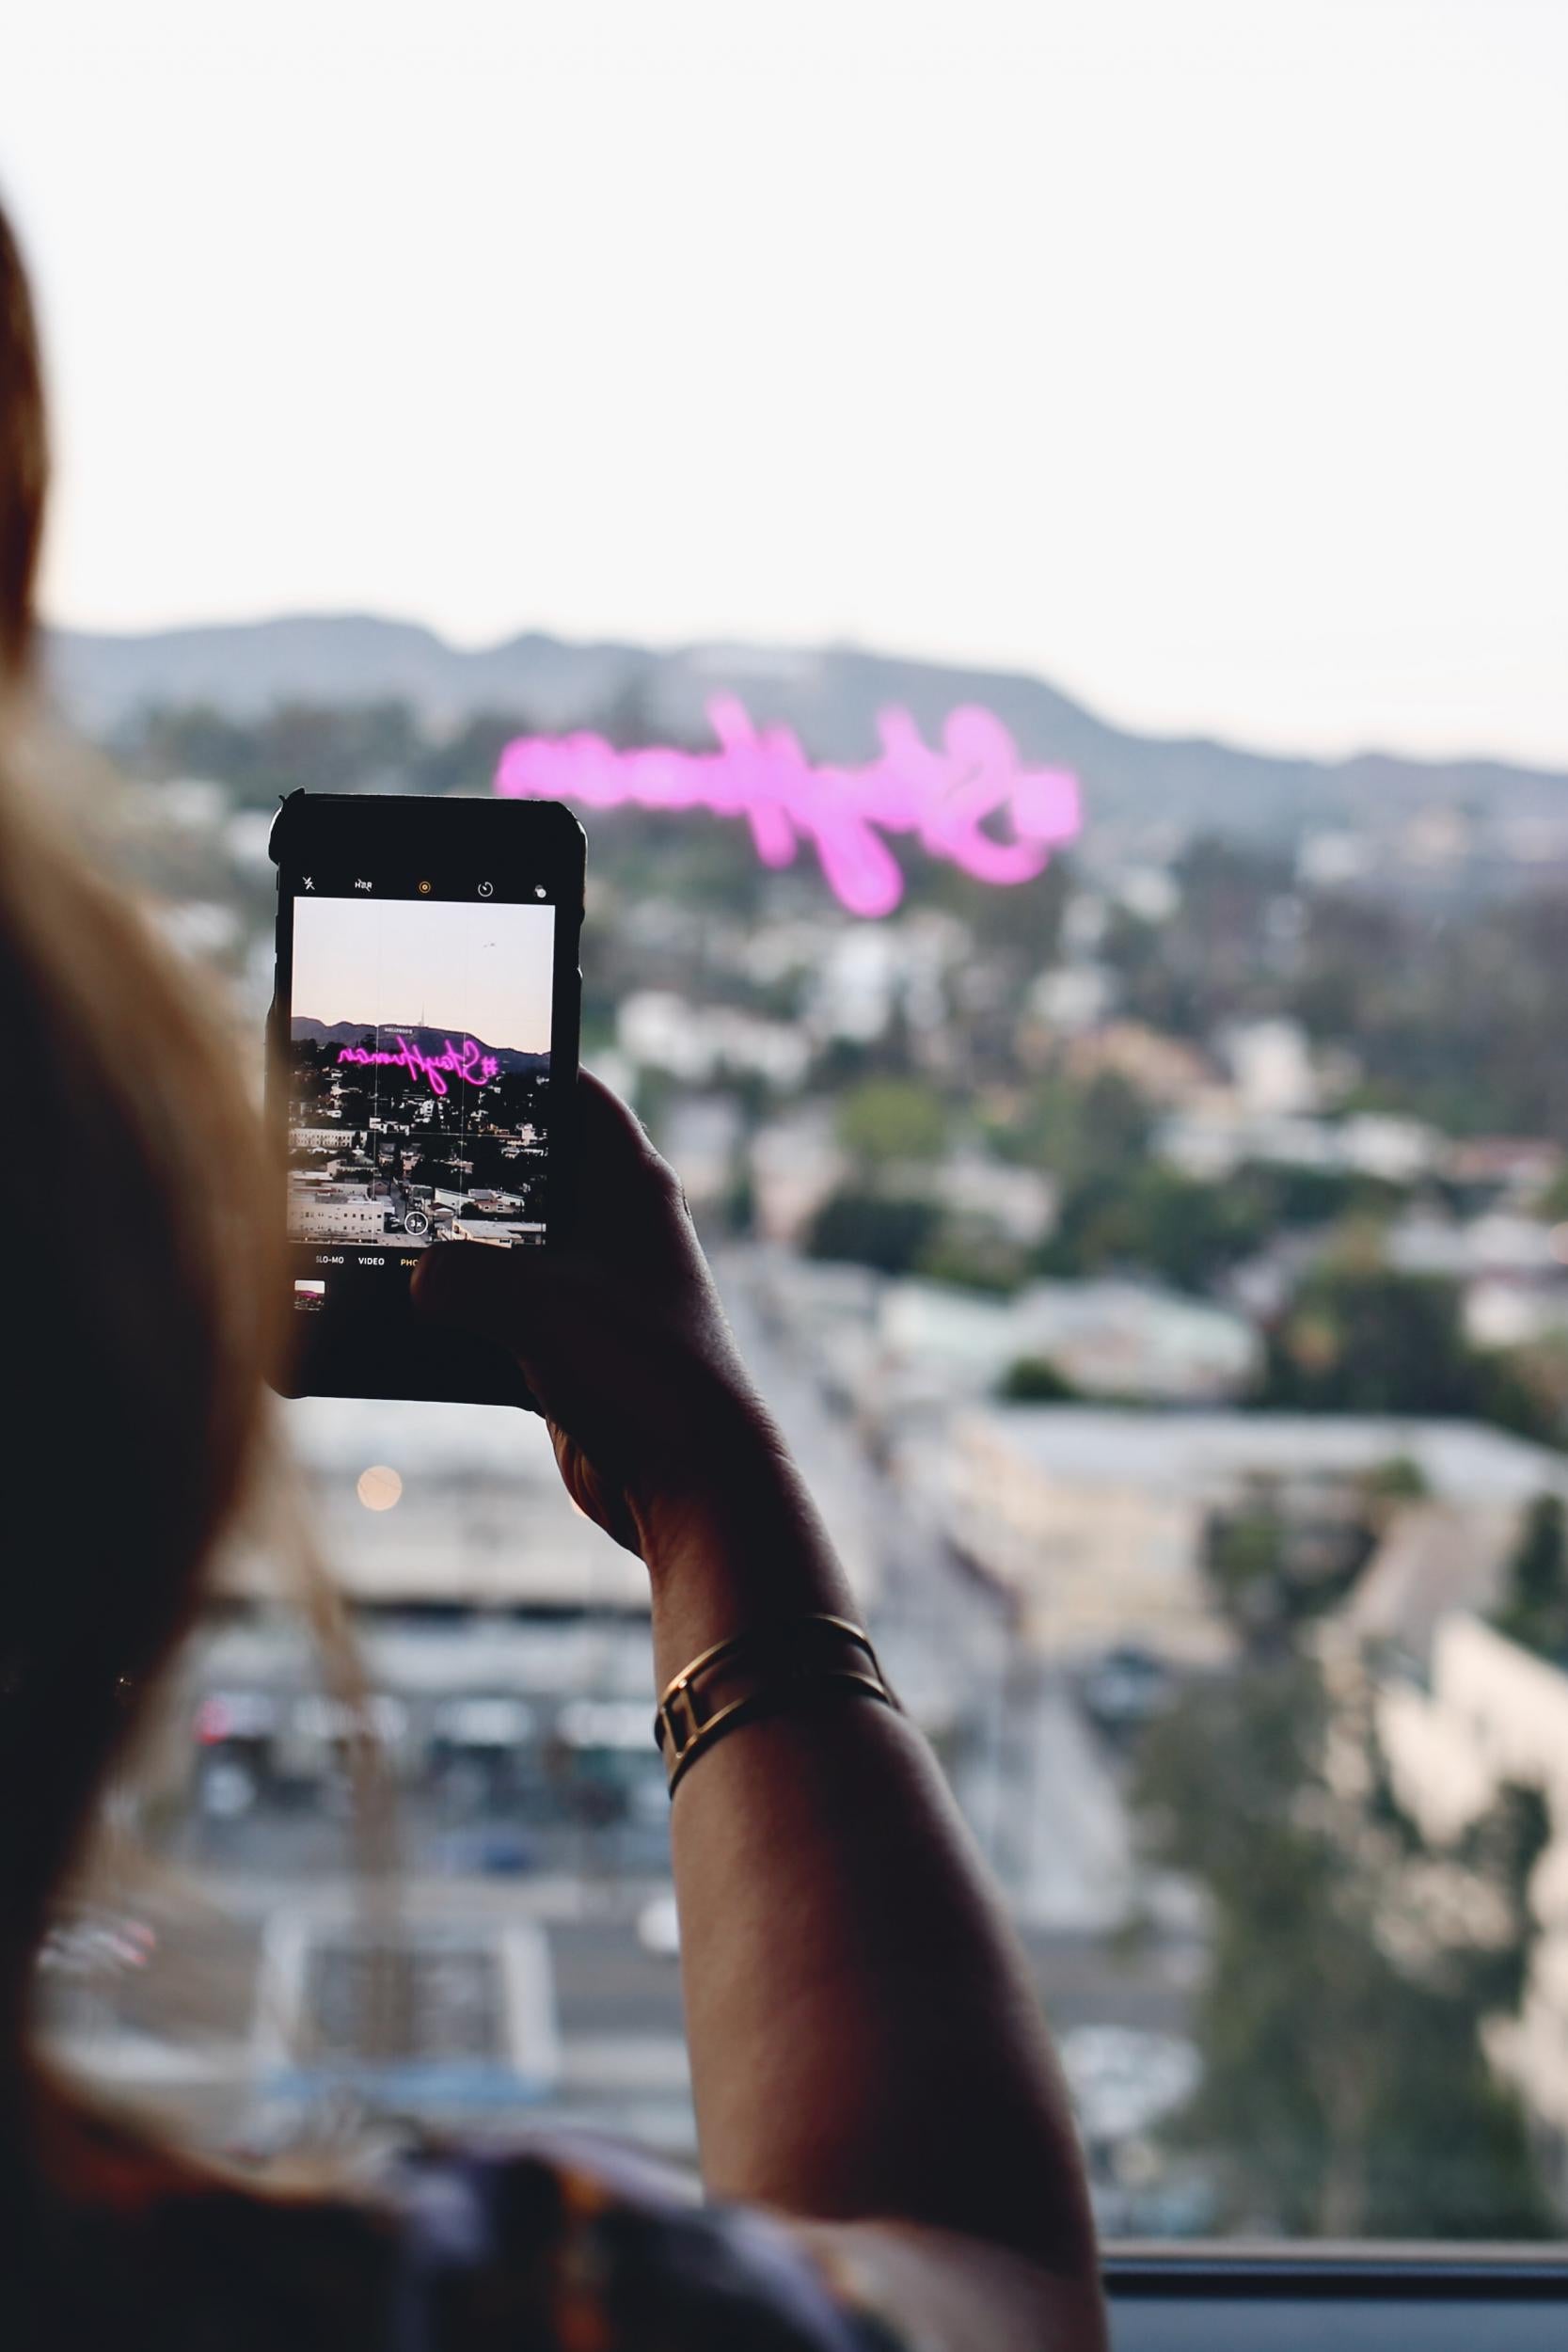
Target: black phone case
x=379 y=1347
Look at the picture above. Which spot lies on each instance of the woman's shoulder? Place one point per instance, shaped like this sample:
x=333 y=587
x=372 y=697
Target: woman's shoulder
x=452 y=2247
x=572 y=2243
x=578 y=2243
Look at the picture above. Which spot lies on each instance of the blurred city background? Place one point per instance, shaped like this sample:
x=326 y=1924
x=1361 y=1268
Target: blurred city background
x=1160 y=1267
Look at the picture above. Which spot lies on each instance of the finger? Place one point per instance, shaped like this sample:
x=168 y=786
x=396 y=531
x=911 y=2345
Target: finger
x=499 y=1293
x=546 y=1314
x=630 y=1216
x=619 y=1172
x=615 y=1139
x=623 y=1203
x=600 y=1497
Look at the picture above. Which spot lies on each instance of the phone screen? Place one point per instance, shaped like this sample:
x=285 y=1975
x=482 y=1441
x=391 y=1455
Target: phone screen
x=418 y=1071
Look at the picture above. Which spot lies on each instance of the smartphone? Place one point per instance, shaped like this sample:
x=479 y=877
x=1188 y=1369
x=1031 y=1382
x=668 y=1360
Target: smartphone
x=423 y=1069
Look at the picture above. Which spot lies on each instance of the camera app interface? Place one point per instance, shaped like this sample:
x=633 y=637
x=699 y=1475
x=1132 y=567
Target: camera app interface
x=419 y=1070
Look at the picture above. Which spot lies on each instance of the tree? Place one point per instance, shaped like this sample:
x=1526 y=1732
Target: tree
x=1345 y=2091
x=1361 y=1339
x=1320 y=1196
x=1082 y=1134
x=1036 y=1380
x=872 y=1230
x=1215 y=959
x=1272 y=1567
x=515 y=1097
x=349 y=747
x=1147 y=1216
x=884 y=1121
x=1502 y=1847
x=1245 y=1560
x=466 y=761
x=1534 y=1611
x=1553 y=1202
x=491 y=1169
x=970 y=1254
x=307 y=1083
x=1399 y=1479
x=1457 y=1021
x=1022 y=922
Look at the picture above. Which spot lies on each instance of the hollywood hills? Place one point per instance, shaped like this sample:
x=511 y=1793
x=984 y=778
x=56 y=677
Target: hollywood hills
x=429 y=1040
x=830 y=696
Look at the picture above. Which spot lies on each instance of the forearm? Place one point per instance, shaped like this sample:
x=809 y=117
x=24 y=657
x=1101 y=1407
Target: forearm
x=864 y=2038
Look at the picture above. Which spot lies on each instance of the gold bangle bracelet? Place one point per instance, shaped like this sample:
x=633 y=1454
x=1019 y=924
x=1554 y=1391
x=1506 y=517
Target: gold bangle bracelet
x=764 y=1671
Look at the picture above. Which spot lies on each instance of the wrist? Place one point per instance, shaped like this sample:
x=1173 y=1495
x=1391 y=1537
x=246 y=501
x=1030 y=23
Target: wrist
x=744 y=1549
x=746 y=1499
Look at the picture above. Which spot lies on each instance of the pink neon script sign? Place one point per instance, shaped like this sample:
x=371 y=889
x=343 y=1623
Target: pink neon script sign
x=943 y=797
x=468 y=1061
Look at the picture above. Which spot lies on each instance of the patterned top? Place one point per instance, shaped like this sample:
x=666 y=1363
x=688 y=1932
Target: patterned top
x=554 y=2246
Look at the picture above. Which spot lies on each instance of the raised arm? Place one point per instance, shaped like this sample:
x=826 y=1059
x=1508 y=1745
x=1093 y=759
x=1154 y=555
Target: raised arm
x=865 y=2046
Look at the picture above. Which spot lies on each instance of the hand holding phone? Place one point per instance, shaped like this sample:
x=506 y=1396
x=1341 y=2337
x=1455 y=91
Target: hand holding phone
x=659 y=1430
x=422 y=1069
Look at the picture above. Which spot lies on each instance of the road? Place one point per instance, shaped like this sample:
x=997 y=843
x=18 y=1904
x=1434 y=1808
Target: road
x=1039 y=1787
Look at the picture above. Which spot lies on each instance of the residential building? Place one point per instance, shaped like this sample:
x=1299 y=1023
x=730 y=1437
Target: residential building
x=1165 y=1069
x=1270 y=1063
x=1073 y=997
x=329 y=1213
x=796 y=1163
x=1217 y=1135
x=657 y=1030
x=1500 y=1311
x=1519 y=1168
x=700 y=1135
x=1433 y=1558
x=478 y=1518
x=1095 y=1518
x=1107 y=1338
x=1464 y=1250
x=1018 y=1204
x=500 y=1232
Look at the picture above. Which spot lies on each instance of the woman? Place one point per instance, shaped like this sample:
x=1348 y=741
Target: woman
x=881 y=2127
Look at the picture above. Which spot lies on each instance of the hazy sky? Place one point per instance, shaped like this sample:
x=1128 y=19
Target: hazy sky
x=483 y=970
x=1210 y=356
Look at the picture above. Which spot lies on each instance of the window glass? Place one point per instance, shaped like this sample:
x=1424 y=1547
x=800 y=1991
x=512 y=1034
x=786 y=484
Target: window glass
x=1074 y=498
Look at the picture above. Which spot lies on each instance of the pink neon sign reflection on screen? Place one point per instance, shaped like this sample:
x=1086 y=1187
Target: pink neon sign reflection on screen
x=468 y=1061
x=941 y=796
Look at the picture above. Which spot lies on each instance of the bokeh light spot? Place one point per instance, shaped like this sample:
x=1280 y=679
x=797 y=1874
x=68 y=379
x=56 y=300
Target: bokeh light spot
x=378 y=1487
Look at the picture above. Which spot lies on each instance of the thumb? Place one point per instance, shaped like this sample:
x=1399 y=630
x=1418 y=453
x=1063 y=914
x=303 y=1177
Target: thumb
x=480 y=1288
x=532 y=1303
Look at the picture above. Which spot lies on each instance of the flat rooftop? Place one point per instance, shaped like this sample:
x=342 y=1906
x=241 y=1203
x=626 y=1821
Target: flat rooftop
x=1185 y=1452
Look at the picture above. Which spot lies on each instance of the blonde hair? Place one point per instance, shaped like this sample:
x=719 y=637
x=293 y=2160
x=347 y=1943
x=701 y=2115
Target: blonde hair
x=139 y=1277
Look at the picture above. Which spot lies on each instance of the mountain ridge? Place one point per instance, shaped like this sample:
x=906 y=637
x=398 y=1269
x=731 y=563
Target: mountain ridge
x=830 y=695
x=305 y=1029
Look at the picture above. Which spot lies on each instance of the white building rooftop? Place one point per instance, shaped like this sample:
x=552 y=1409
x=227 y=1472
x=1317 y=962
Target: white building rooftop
x=477 y=1516
x=1187 y=1452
